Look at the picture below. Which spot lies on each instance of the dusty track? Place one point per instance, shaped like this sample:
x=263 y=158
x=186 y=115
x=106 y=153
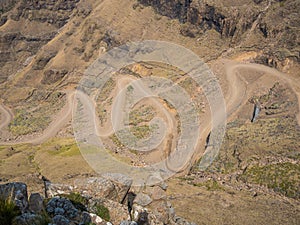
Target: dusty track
x=238 y=93
x=238 y=85
x=6 y=116
x=235 y=97
x=61 y=119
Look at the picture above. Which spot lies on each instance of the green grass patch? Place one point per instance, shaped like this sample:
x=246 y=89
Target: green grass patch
x=211 y=185
x=26 y=122
x=62 y=147
x=282 y=177
x=8 y=211
x=102 y=211
x=141 y=132
x=105 y=91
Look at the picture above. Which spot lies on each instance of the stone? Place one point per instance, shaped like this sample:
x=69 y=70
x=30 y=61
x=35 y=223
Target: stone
x=57 y=189
x=96 y=219
x=85 y=218
x=96 y=187
x=63 y=207
x=15 y=191
x=36 y=203
x=155 y=179
x=60 y=220
x=27 y=219
x=160 y=210
x=142 y=199
x=127 y=222
x=117 y=211
x=156 y=193
x=122 y=184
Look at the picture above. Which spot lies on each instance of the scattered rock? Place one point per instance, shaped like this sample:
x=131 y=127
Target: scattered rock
x=36 y=203
x=156 y=180
x=63 y=207
x=142 y=199
x=96 y=219
x=127 y=222
x=62 y=211
x=60 y=220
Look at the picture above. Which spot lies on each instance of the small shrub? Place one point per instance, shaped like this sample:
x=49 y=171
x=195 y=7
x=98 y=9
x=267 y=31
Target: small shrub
x=43 y=219
x=8 y=211
x=102 y=211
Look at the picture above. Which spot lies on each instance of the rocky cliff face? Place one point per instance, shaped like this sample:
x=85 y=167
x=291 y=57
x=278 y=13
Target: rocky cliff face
x=270 y=26
x=19 y=40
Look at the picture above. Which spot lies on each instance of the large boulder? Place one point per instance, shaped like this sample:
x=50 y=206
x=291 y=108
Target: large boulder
x=122 y=184
x=17 y=192
x=36 y=203
x=109 y=186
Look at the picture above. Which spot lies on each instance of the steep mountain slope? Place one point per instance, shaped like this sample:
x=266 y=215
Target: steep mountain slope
x=46 y=46
x=271 y=27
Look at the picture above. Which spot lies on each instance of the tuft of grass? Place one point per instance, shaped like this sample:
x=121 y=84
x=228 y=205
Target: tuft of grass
x=8 y=211
x=42 y=219
x=77 y=200
x=102 y=211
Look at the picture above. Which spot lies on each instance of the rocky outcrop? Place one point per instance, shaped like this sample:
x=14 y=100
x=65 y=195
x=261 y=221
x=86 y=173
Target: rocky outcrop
x=16 y=192
x=272 y=27
x=177 y=9
x=52 y=12
x=113 y=187
x=100 y=201
x=204 y=15
x=16 y=47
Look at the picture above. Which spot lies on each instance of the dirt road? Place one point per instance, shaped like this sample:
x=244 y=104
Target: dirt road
x=235 y=97
x=6 y=116
x=60 y=120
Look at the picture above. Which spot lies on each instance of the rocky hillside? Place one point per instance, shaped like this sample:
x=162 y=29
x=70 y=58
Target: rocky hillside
x=271 y=27
x=97 y=201
x=45 y=48
x=23 y=39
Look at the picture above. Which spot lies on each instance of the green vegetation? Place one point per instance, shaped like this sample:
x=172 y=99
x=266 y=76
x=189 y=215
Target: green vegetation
x=8 y=211
x=62 y=147
x=116 y=141
x=42 y=219
x=36 y=114
x=26 y=122
x=140 y=115
x=141 y=132
x=78 y=200
x=211 y=185
x=282 y=177
x=247 y=144
x=102 y=211
x=105 y=91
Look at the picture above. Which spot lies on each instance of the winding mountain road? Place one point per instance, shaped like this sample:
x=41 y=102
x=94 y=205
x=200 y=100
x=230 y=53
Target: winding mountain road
x=235 y=97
